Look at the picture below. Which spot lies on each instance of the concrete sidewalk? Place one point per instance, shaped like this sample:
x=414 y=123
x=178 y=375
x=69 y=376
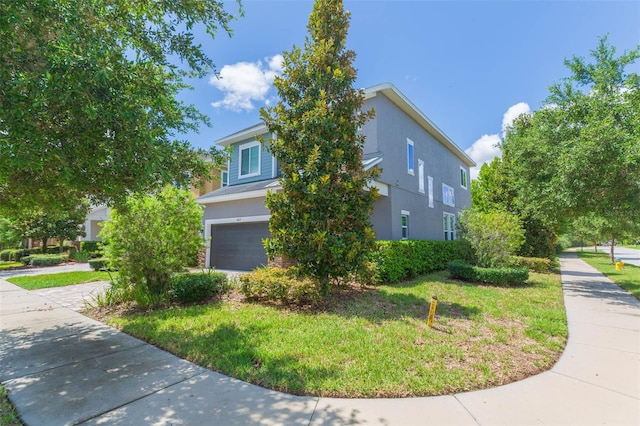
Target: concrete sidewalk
x=62 y=368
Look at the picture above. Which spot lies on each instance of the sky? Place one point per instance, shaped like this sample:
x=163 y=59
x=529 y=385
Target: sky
x=470 y=66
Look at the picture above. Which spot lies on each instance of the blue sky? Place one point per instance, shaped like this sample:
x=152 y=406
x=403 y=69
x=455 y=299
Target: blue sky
x=470 y=66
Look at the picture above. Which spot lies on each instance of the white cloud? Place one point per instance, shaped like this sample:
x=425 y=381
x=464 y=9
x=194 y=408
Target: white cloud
x=244 y=83
x=484 y=150
x=512 y=113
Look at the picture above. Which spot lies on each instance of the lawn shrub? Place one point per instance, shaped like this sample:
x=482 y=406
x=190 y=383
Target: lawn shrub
x=494 y=276
x=279 y=284
x=535 y=264
x=90 y=246
x=99 y=264
x=4 y=255
x=190 y=288
x=17 y=254
x=81 y=256
x=398 y=260
x=44 y=259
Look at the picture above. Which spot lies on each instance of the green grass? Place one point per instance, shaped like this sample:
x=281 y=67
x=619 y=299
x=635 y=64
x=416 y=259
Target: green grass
x=8 y=415
x=628 y=278
x=6 y=265
x=34 y=282
x=372 y=342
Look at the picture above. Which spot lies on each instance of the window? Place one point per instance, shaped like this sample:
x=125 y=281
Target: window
x=448 y=196
x=410 y=156
x=421 y=176
x=224 y=178
x=463 y=177
x=449 y=226
x=249 y=159
x=405 y=224
x=430 y=182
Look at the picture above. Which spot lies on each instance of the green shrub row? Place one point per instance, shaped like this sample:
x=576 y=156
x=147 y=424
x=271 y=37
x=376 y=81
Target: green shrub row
x=16 y=255
x=44 y=259
x=494 y=276
x=398 y=260
x=190 y=288
x=99 y=264
x=278 y=284
x=535 y=264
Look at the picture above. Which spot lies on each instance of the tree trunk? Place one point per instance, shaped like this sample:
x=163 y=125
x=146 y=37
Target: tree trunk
x=613 y=244
x=44 y=245
x=61 y=239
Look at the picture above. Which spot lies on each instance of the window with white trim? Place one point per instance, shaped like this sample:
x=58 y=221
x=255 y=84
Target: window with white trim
x=430 y=185
x=249 y=160
x=224 y=178
x=421 y=176
x=448 y=195
x=449 y=226
x=404 y=220
x=463 y=177
x=410 y=155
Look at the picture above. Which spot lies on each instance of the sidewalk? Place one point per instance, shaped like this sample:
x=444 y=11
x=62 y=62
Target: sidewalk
x=62 y=368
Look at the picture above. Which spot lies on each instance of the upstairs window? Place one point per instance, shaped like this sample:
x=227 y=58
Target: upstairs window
x=421 y=176
x=249 y=159
x=463 y=177
x=224 y=178
x=448 y=195
x=410 y=156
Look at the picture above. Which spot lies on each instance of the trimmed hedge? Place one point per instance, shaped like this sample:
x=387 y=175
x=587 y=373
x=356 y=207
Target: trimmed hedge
x=279 y=284
x=90 y=246
x=44 y=259
x=494 y=276
x=4 y=255
x=190 y=288
x=99 y=264
x=535 y=264
x=402 y=259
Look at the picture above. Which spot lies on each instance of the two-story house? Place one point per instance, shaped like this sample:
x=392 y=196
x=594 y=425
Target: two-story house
x=423 y=185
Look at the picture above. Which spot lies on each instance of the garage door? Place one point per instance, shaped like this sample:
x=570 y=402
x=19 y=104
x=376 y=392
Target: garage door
x=238 y=245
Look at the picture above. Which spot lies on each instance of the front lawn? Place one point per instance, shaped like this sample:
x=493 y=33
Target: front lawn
x=371 y=342
x=35 y=282
x=628 y=278
x=8 y=265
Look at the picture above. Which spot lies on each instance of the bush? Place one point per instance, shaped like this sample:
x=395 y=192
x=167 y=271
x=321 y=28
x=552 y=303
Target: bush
x=17 y=254
x=279 y=284
x=4 y=255
x=44 y=259
x=535 y=264
x=494 y=276
x=189 y=288
x=80 y=256
x=398 y=260
x=99 y=264
x=89 y=246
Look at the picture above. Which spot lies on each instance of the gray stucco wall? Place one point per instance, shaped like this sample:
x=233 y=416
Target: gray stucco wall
x=234 y=209
x=389 y=132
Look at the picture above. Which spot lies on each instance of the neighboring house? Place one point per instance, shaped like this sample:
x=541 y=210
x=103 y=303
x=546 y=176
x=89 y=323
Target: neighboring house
x=423 y=185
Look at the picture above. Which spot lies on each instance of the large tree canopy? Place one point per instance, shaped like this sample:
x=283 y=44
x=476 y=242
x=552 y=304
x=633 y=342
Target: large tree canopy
x=88 y=96
x=580 y=155
x=321 y=216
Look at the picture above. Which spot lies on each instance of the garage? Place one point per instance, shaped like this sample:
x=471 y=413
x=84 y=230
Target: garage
x=238 y=245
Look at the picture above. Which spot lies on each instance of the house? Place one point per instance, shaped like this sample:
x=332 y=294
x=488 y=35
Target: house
x=424 y=183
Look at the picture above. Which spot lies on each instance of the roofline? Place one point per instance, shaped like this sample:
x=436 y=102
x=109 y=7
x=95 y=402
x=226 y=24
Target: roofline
x=393 y=94
x=253 y=131
x=399 y=99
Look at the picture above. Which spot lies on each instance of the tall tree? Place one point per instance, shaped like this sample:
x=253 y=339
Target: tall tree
x=581 y=154
x=321 y=217
x=89 y=89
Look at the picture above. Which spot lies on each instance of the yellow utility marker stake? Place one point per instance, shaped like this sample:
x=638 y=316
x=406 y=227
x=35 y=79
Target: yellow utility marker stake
x=432 y=311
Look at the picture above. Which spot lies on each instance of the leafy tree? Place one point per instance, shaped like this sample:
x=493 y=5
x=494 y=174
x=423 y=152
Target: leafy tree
x=321 y=217
x=64 y=223
x=581 y=154
x=151 y=237
x=494 y=236
x=9 y=235
x=89 y=101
